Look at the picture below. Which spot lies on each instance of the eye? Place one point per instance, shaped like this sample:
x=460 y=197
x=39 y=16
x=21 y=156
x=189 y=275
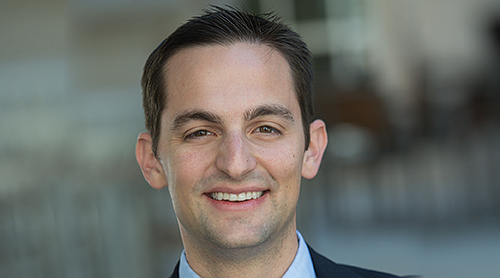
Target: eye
x=198 y=134
x=267 y=130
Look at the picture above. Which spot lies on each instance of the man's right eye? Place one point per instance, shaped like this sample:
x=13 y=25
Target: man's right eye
x=198 y=134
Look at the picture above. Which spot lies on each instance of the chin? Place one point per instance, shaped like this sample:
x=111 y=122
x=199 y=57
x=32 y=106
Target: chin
x=239 y=239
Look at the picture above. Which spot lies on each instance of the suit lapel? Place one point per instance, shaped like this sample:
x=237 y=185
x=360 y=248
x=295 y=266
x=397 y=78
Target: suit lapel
x=175 y=273
x=327 y=269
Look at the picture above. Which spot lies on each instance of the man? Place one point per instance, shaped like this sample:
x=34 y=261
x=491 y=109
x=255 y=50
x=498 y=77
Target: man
x=228 y=106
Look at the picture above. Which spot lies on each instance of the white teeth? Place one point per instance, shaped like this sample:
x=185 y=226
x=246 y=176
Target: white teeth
x=244 y=196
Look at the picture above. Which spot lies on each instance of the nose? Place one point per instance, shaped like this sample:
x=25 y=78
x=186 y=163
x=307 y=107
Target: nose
x=235 y=157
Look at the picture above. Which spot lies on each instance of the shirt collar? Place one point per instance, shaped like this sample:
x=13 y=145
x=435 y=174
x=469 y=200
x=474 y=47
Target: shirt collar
x=302 y=265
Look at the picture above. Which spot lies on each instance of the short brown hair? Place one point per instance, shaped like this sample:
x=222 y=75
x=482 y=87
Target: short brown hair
x=226 y=26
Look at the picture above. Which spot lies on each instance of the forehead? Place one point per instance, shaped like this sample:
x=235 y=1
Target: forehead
x=214 y=57
x=230 y=74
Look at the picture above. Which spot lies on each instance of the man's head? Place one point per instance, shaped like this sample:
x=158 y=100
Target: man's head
x=231 y=136
x=220 y=26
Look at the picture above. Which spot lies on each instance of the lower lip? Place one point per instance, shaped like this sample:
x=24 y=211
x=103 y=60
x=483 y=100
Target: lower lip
x=238 y=206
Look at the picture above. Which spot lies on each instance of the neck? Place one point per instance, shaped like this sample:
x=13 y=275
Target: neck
x=271 y=258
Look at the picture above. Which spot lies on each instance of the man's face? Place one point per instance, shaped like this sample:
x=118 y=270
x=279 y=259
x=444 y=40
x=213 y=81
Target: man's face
x=232 y=144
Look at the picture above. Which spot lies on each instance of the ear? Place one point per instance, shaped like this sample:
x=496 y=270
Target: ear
x=150 y=165
x=314 y=154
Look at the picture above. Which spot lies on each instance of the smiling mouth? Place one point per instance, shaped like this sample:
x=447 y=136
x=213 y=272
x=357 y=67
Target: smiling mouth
x=244 y=196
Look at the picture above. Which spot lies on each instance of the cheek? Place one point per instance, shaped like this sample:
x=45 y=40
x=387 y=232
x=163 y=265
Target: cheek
x=187 y=167
x=184 y=171
x=282 y=162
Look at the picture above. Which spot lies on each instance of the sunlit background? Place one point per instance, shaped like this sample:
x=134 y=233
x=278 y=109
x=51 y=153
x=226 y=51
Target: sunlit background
x=410 y=91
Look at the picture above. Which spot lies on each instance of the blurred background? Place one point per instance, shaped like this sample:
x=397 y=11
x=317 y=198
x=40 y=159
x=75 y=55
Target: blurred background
x=410 y=91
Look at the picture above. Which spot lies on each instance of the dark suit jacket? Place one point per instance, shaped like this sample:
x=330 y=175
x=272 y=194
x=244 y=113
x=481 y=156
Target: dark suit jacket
x=327 y=269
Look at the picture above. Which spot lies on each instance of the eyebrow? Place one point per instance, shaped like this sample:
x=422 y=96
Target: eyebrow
x=273 y=110
x=188 y=116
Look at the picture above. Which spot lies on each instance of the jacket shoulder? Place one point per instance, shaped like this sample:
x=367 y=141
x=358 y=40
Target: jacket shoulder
x=326 y=268
x=370 y=273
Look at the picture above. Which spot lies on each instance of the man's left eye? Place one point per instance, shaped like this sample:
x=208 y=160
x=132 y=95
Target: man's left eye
x=267 y=129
